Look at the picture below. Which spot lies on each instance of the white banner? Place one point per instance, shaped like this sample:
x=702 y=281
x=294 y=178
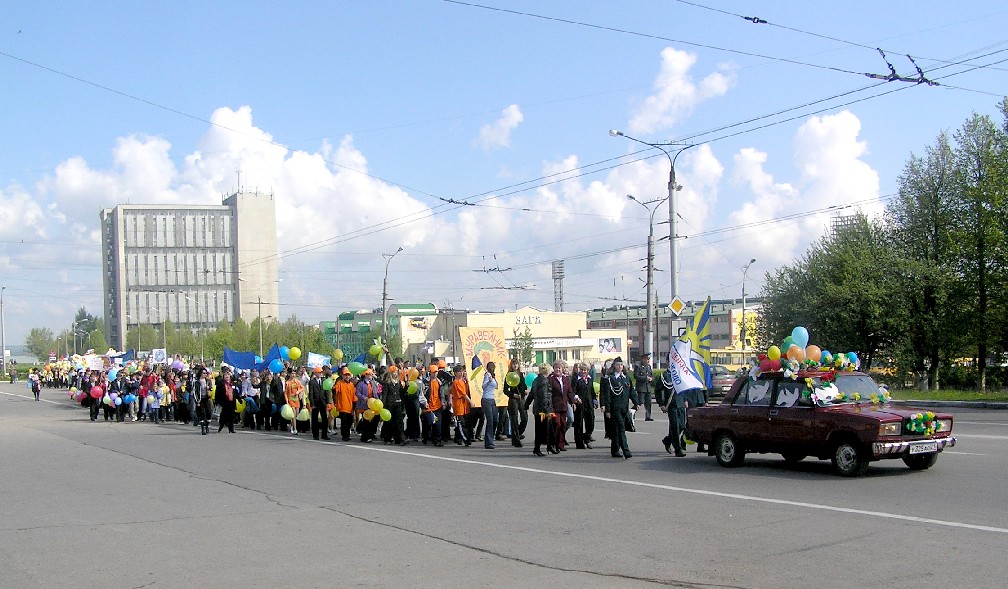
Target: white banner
x=680 y=372
x=158 y=356
x=316 y=360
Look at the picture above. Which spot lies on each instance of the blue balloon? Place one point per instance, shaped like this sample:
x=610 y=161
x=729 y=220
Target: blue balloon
x=276 y=366
x=276 y=408
x=285 y=353
x=112 y=374
x=258 y=359
x=529 y=379
x=800 y=336
x=852 y=357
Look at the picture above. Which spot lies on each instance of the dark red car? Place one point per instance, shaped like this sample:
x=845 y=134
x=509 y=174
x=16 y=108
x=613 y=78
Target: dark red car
x=838 y=416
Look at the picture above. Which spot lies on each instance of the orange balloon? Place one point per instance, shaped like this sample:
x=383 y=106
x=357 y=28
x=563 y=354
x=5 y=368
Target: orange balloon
x=795 y=353
x=813 y=353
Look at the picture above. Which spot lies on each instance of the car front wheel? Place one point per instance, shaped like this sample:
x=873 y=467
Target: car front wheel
x=728 y=452
x=849 y=459
x=920 y=461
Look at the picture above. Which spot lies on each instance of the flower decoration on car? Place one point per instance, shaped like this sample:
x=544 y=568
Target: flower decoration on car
x=923 y=423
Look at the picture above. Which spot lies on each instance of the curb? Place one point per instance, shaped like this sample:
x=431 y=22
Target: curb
x=955 y=404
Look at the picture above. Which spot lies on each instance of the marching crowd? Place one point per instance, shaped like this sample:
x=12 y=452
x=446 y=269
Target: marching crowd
x=398 y=404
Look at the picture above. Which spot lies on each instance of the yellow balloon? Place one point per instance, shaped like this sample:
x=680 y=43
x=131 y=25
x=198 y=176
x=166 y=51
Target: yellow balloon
x=294 y=354
x=773 y=353
x=337 y=354
x=369 y=414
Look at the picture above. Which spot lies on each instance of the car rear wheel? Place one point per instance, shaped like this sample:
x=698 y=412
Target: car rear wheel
x=849 y=459
x=727 y=451
x=792 y=457
x=920 y=461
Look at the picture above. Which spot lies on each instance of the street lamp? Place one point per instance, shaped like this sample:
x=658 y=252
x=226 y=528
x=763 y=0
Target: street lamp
x=745 y=270
x=259 y=304
x=649 y=332
x=384 y=298
x=199 y=314
x=672 y=188
x=3 y=338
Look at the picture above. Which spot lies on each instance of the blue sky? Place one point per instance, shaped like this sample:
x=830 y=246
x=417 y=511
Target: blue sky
x=357 y=114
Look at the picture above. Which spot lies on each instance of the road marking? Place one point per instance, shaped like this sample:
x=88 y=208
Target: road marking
x=32 y=398
x=957 y=422
x=981 y=436
x=704 y=492
x=966 y=453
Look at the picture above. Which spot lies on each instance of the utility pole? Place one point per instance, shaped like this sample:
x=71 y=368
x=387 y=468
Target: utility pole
x=3 y=337
x=745 y=270
x=649 y=331
x=384 y=298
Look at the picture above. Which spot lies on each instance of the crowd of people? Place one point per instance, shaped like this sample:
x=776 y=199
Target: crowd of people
x=398 y=404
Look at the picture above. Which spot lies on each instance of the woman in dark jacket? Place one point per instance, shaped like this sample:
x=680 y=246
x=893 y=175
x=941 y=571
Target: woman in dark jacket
x=541 y=401
x=517 y=414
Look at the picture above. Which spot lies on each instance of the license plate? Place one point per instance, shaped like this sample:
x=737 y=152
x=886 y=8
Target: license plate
x=923 y=447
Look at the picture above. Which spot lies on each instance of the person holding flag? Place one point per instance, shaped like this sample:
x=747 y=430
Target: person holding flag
x=688 y=375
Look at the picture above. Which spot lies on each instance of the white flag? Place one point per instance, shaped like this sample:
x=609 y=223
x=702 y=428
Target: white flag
x=316 y=360
x=680 y=371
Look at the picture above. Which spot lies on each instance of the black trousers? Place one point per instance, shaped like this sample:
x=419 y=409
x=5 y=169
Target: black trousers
x=319 y=422
x=584 y=417
x=411 y=407
x=545 y=430
x=227 y=415
x=265 y=413
x=392 y=430
x=345 y=425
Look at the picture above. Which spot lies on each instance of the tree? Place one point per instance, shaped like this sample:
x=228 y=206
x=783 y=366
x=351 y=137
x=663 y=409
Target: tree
x=522 y=345
x=39 y=342
x=922 y=222
x=843 y=291
x=980 y=235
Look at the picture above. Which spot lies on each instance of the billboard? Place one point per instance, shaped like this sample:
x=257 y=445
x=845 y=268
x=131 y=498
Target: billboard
x=487 y=344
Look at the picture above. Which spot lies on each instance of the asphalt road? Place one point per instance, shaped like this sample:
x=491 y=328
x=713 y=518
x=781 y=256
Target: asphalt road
x=138 y=505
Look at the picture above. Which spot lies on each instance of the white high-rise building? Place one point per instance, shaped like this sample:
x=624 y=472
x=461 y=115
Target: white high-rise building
x=194 y=266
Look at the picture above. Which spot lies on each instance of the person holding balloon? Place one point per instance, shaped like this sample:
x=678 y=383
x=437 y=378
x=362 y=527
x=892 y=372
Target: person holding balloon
x=294 y=396
x=392 y=398
x=367 y=389
x=515 y=389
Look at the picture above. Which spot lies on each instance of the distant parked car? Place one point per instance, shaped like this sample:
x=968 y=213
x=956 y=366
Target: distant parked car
x=842 y=416
x=722 y=379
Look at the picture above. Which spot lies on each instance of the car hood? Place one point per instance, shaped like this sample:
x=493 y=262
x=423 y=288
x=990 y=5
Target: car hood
x=883 y=412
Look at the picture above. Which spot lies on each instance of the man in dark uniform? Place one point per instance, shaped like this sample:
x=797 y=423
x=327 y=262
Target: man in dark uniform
x=697 y=398
x=320 y=399
x=675 y=406
x=643 y=375
x=616 y=396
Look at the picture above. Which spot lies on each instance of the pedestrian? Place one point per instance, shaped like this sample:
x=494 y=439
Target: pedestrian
x=560 y=391
x=461 y=406
x=367 y=389
x=432 y=406
x=393 y=391
x=319 y=398
x=294 y=396
x=616 y=397
x=344 y=396
x=541 y=401
x=489 y=403
x=675 y=406
x=225 y=397
x=584 y=406
x=643 y=376
x=517 y=415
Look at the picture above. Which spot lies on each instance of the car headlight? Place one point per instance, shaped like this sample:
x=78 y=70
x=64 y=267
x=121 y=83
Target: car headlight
x=891 y=428
x=943 y=425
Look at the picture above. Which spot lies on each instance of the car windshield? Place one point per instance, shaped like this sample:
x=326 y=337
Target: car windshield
x=846 y=388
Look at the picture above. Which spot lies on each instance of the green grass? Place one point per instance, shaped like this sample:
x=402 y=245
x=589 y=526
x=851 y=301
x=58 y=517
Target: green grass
x=948 y=395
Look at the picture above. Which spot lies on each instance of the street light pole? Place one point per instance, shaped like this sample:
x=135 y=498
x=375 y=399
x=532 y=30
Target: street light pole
x=384 y=298
x=3 y=338
x=745 y=270
x=649 y=331
x=672 y=189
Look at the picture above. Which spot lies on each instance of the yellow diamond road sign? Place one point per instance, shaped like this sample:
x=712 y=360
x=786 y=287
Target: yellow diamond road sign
x=677 y=306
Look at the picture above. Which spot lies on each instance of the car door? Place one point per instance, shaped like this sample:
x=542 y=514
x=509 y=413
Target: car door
x=749 y=412
x=791 y=418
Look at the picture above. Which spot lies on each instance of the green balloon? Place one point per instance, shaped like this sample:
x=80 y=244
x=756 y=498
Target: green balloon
x=385 y=414
x=375 y=351
x=327 y=384
x=356 y=368
x=411 y=388
x=512 y=379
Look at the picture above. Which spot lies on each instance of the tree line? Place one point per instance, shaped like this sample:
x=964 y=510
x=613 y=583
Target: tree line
x=923 y=289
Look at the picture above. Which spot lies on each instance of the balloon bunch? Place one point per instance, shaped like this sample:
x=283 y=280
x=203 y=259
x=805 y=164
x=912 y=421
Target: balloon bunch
x=923 y=423
x=411 y=381
x=795 y=353
x=377 y=408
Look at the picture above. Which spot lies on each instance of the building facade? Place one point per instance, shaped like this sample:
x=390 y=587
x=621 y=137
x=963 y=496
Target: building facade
x=427 y=332
x=194 y=266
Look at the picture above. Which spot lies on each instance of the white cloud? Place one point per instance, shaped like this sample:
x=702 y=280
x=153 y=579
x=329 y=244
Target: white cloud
x=498 y=133
x=676 y=94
